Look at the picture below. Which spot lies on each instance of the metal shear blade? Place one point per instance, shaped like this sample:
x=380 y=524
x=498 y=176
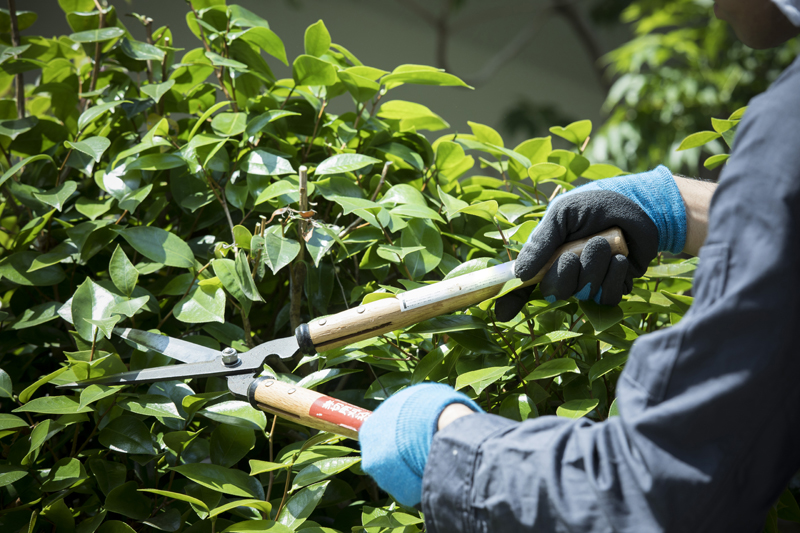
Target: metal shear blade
x=212 y=365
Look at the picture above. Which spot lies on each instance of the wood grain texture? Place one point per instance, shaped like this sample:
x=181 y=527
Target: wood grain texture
x=383 y=316
x=309 y=408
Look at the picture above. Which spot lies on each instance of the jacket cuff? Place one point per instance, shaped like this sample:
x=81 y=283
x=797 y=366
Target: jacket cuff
x=447 y=483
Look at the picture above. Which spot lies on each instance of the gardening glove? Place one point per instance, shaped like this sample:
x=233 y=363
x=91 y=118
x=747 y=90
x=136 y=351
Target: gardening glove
x=396 y=438
x=647 y=207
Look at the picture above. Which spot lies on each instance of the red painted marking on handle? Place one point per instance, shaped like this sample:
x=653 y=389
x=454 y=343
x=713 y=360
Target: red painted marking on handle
x=337 y=412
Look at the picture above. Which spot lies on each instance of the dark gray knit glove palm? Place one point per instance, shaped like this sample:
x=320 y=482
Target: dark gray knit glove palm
x=647 y=208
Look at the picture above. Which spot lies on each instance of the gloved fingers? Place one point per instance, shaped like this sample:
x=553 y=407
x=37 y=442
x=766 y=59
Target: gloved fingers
x=595 y=260
x=507 y=306
x=614 y=285
x=561 y=281
x=546 y=238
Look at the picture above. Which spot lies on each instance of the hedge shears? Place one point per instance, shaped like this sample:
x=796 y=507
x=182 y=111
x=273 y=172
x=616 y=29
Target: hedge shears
x=304 y=406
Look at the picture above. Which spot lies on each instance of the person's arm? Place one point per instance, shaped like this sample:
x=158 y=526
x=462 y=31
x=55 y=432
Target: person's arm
x=696 y=196
x=679 y=457
x=452 y=413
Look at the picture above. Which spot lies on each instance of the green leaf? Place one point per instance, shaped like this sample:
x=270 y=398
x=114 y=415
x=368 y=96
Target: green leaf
x=202 y=304
x=518 y=407
x=36 y=315
x=601 y=317
x=16 y=268
x=553 y=368
x=157 y=162
x=395 y=254
x=53 y=405
x=157 y=90
x=245 y=278
x=236 y=413
x=11 y=474
x=127 y=501
x=127 y=434
x=486 y=210
x=308 y=70
x=257 y=526
x=341 y=163
x=129 y=307
x=317 y=39
x=150 y=405
x=94 y=393
x=229 y=124
x=257 y=124
x=554 y=336
x=323 y=469
x=698 y=139
x=159 y=246
x=601 y=171
x=26 y=394
x=609 y=362
x=27 y=161
x=90 y=302
x=105 y=325
x=91 y=114
x=25 y=19
x=97 y=36
x=416 y=211
x=485 y=134
x=123 y=273
x=265 y=39
x=279 y=251
x=422 y=75
x=576 y=133
x=421 y=232
x=412 y=116
x=229 y=444
x=323 y=376
x=300 y=506
x=481 y=378
x=715 y=160
x=220 y=61
x=260 y=467
x=279 y=188
x=142 y=52
x=263 y=163
x=15 y=128
x=545 y=171
x=258 y=505
x=221 y=479
x=178 y=496
x=577 y=408
x=58 y=196
x=202 y=120
x=9 y=421
x=5 y=384
x=94 y=147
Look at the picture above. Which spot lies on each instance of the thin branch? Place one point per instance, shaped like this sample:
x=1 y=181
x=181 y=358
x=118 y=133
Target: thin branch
x=20 y=79
x=97 y=52
x=298 y=268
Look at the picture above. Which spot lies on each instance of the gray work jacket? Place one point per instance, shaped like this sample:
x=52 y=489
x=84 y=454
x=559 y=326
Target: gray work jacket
x=709 y=428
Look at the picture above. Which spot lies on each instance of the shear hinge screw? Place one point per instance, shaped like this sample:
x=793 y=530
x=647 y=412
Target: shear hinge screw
x=230 y=357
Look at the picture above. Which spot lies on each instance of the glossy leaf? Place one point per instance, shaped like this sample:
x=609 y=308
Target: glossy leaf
x=323 y=469
x=236 y=413
x=576 y=408
x=553 y=368
x=300 y=506
x=127 y=434
x=341 y=163
x=158 y=90
x=90 y=302
x=224 y=480
x=202 y=304
x=698 y=139
x=53 y=405
x=94 y=36
x=308 y=70
x=576 y=133
x=279 y=251
x=58 y=196
x=159 y=246
x=264 y=163
x=123 y=273
x=317 y=39
x=5 y=384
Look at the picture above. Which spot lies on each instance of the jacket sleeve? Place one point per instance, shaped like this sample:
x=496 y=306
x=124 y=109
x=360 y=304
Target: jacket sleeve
x=708 y=433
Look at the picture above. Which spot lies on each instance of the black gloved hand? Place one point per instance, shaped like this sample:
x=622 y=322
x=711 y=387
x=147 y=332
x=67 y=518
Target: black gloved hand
x=647 y=208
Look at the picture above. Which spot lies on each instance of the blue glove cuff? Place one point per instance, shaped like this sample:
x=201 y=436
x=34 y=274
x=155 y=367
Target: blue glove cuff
x=657 y=194
x=396 y=439
x=418 y=418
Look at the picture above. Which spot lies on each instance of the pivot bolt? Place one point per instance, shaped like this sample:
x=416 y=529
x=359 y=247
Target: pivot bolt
x=230 y=357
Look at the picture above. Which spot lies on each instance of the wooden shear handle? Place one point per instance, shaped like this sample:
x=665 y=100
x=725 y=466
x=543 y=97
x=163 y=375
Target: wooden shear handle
x=390 y=314
x=307 y=407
